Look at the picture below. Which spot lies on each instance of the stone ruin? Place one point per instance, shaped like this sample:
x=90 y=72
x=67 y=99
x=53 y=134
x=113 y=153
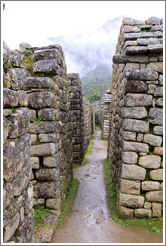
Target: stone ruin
x=135 y=149
x=47 y=125
x=43 y=134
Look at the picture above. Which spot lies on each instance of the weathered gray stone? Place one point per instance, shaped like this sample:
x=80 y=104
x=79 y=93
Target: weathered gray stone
x=133 y=172
x=152 y=139
x=158 y=92
x=41 y=100
x=39 y=82
x=32 y=115
x=135 y=112
x=158 y=151
x=11 y=228
x=135 y=86
x=150 y=185
x=43 y=127
x=161 y=79
x=131 y=22
x=154 y=196
x=22 y=179
x=7 y=58
x=5 y=128
x=140 y=137
x=153 y=21
x=141 y=74
x=136 y=50
x=129 y=135
x=156 y=66
x=151 y=89
x=156 y=116
x=131 y=187
x=150 y=161
x=48 y=54
x=156 y=174
x=16 y=58
x=135 y=125
x=130 y=29
x=133 y=100
x=14 y=207
x=126 y=213
x=48 y=114
x=47 y=174
x=10 y=98
x=26 y=229
x=33 y=139
x=8 y=195
x=141 y=213
x=22 y=98
x=137 y=58
x=19 y=122
x=134 y=146
x=73 y=75
x=36 y=202
x=17 y=77
x=158 y=130
x=46 y=190
x=159 y=102
x=131 y=200
x=23 y=46
x=44 y=149
x=129 y=157
x=25 y=142
x=46 y=138
x=47 y=66
x=35 y=162
x=147 y=205
x=156 y=209
x=155 y=48
x=51 y=161
x=53 y=203
x=28 y=198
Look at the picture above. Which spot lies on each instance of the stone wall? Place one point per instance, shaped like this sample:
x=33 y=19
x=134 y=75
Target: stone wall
x=88 y=123
x=135 y=149
x=76 y=107
x=106 y=114
x=50 y=127
x=18 y=215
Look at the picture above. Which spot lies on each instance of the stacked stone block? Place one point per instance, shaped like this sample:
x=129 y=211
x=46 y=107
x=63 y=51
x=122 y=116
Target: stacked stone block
x=76 y=107
x=106 y=114
x=136 y=126
x=88 y=123
x=18 y=215
x=50 y=127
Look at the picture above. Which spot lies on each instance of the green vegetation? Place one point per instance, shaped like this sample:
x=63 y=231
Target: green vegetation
x=93 y=81
x=154 y=225
x=90 y=144
x=28 y=60
x=67 y=204
x=40 y=212
x=38 y=120
x=89 y=152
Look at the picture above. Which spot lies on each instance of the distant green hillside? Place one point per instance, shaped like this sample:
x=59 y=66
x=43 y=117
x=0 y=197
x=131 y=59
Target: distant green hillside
x=93 y=81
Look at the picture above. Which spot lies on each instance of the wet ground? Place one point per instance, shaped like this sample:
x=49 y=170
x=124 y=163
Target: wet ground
x=90 y=221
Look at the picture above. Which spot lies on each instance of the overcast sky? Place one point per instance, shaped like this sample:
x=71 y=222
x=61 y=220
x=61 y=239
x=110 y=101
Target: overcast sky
x=35 y=21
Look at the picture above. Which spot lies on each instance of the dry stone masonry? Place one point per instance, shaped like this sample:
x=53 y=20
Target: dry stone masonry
x=76 y=106
x=89 y=126
x=18 y=216
x=136 y=129
x=43 y=134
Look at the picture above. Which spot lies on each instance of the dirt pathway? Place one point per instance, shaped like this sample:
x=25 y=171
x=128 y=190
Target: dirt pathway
x=90 y=221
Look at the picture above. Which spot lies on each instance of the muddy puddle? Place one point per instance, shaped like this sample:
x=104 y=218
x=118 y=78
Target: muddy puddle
x=90 y=221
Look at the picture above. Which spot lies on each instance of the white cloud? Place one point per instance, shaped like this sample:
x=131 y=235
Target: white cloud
x=35 y=21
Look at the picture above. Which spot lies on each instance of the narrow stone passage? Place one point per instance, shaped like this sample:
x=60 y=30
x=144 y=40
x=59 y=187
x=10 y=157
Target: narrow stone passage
x=90 y=221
